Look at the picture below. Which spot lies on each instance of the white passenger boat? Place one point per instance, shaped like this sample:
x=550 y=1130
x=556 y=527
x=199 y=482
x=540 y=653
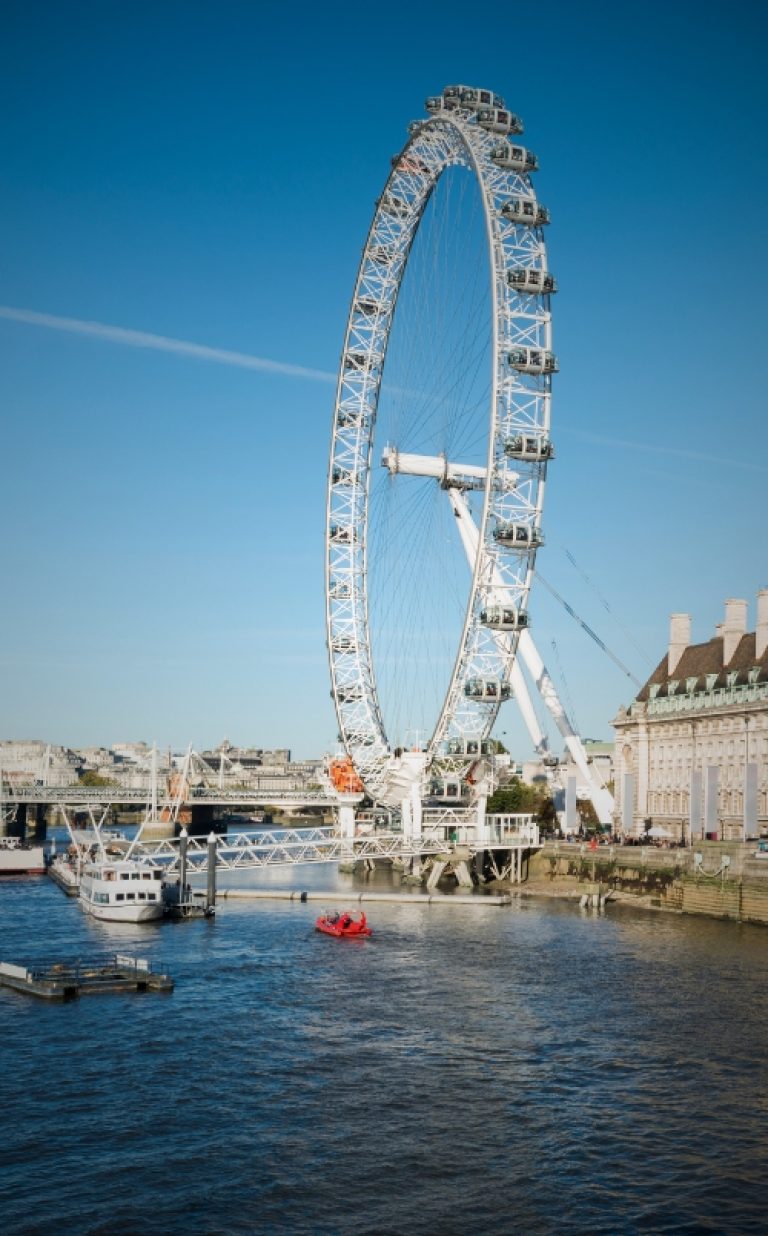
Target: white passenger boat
x=123 y=891
x=19 y=858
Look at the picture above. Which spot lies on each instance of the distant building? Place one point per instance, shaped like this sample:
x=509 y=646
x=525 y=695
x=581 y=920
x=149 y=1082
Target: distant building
x=691 y=751
x=31 y=761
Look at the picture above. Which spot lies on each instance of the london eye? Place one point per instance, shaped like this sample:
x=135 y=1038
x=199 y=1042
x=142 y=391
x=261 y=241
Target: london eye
x=440 y=446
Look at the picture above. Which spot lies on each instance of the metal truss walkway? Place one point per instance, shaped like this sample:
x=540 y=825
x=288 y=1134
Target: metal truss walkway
x=286 y=847
x=448 y=832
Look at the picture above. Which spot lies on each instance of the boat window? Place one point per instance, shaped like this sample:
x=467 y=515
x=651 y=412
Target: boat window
x=124 y=875
x=142 y=896
x=120 y=897
x=146 y=875
x=130 y=896
x=158 y=875
x=134 y=875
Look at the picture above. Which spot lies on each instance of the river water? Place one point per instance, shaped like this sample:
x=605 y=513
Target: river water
x=528 y=1069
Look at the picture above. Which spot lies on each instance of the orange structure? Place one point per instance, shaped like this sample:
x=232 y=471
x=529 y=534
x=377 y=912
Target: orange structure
x=343 y=776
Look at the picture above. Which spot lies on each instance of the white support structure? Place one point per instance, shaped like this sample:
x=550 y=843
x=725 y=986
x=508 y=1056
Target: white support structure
x=601 y=798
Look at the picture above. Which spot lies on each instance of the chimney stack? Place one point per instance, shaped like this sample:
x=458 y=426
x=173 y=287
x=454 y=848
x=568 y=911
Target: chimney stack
x=761 y=630
x=679 y=639
x=734 y=627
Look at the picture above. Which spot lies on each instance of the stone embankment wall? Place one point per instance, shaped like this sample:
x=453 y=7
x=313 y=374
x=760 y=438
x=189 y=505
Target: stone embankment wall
x=728 y=882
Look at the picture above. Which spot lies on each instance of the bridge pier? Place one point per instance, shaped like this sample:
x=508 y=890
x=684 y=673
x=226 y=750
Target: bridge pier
x=201 y=821
x=345 y=825
x=28 y=824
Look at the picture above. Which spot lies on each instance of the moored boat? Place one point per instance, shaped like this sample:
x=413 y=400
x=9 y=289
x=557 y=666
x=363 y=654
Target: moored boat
x=123 y=891
x=19 y=858
x=345 y=924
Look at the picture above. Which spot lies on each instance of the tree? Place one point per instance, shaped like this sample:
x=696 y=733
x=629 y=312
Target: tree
x=513 y=798
x=93 y=778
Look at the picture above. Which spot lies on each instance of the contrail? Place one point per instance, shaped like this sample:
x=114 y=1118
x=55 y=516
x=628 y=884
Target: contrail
x=662 y=449
x=161 y=343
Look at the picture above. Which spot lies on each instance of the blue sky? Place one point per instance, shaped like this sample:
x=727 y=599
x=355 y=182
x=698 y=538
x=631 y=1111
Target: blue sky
x=206 y=172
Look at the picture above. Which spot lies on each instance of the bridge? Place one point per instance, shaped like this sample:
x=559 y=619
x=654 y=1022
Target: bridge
x=77 y=795
x=447 y=844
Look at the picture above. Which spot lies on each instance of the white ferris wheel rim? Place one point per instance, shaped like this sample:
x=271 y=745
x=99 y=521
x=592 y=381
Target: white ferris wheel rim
x=519 y=410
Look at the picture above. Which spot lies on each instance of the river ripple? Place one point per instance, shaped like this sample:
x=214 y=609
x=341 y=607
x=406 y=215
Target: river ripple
x=530 y=1069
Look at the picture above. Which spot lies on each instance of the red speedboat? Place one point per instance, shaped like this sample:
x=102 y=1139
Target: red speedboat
x=345 y=924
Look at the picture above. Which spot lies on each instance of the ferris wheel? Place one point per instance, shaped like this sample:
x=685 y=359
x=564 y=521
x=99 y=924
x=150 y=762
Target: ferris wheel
x=489 y=478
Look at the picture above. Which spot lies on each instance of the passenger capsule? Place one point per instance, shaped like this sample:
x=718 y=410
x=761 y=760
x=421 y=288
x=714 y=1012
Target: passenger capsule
x=343 y=643
x=524 y=446
x=489 y=689
x=528 y=279
x=339 y=590
x=340 y=534
x=447 y=787
x=475 y=99
x=342 y=476
x=360 y=362
x=504 y=618
x=347 y=418
x=436 y=104
x=390 y=204
x=514 y=158
x=499 y=120
x=360 y=740
x=550 y=761
x=532 y=360
x=525 y=210
x=382 y=255
x=453 y=95
x=368 y=308
x=518 y=536
x=471 y=746
x=347 y=695
x=410 y=163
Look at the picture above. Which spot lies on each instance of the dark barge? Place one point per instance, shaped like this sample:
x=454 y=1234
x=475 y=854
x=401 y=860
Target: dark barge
x=66 y=980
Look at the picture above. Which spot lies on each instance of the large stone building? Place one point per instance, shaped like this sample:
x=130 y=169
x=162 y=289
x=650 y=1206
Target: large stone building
x=691 y=752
